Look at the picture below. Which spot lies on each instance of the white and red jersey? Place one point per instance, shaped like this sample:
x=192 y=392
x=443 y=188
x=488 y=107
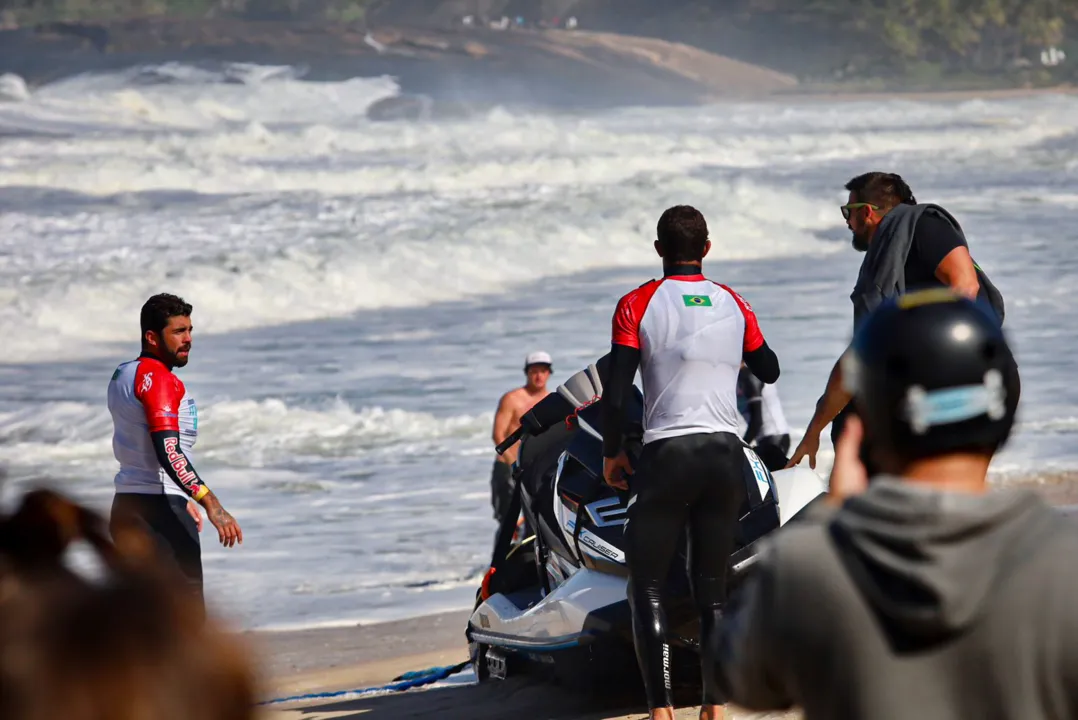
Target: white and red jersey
x=691 y=333
x=145 y=396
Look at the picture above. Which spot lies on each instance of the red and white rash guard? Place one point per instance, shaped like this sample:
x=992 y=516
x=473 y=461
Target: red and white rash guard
x=692 y=334
x=148 y=400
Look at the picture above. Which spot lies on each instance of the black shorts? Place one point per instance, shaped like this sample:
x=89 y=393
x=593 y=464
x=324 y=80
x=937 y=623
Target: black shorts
x=165 y=519
x=501 y=489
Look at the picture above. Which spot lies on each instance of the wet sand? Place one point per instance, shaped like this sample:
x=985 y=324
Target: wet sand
x=334 y=659
x=328 y=659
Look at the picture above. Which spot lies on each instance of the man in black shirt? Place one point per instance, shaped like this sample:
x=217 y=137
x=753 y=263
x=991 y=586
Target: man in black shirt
x=908 y=246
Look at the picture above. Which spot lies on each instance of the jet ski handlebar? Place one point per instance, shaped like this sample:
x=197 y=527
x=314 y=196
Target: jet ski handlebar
x=504 y=445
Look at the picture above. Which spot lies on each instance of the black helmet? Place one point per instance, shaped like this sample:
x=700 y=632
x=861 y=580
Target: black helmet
x=931 y=373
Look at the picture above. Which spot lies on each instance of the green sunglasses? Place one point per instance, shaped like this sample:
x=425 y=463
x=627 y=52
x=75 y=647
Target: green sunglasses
x=848 y=208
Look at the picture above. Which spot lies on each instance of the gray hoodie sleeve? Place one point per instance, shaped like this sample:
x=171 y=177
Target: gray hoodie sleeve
x=1062 y=631
x=751 y=648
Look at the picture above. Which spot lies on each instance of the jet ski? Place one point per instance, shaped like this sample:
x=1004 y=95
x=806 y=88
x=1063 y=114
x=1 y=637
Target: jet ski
x=554 y=597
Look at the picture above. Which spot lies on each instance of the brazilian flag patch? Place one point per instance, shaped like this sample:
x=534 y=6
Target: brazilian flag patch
x=696 y=300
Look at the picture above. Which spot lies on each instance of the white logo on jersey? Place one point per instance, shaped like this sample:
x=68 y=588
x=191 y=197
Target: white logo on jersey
x=147 y=382
x=743 y=300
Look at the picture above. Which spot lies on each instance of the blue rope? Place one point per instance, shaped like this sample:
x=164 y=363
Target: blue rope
x=406 y=681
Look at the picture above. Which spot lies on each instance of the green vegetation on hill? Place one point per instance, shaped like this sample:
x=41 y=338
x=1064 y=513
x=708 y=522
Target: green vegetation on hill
x=973 y=41
x=970 y=35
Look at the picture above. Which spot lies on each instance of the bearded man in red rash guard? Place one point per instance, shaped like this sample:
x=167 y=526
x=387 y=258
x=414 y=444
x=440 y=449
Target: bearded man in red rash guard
x=155 y=424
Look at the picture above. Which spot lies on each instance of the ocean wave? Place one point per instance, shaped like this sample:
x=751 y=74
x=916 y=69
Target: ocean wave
x=182 y=98
x=312 y=212
x=268 y=430
x=13 y=88
x=245 y=433
x=271 y=200
x=253 y=264
x=176 y=73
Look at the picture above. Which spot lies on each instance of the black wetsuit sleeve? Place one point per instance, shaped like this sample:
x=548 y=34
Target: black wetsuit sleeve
x=763 y=362
x=166 y=445
x=624 y=361
x=750 y=388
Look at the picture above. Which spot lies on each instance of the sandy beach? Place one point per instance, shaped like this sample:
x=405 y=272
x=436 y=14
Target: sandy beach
x=327 y=660
x=347 y=658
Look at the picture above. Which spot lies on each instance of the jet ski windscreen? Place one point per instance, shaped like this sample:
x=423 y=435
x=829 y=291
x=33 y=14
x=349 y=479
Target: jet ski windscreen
x=582 y=387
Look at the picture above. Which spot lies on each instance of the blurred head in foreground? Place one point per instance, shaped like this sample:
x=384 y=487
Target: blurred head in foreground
x=124 y=646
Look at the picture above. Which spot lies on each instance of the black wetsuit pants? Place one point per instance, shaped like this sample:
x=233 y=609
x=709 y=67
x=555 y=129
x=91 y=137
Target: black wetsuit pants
x=695 y=480
x=164 y=518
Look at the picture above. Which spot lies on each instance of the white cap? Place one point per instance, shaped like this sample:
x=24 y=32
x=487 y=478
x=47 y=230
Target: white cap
x=537 y=358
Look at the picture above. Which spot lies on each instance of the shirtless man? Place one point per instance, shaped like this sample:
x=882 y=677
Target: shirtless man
x=511 y=407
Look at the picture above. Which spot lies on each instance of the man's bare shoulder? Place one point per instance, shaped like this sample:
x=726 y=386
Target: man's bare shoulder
x=530 y=400
x=514 y=398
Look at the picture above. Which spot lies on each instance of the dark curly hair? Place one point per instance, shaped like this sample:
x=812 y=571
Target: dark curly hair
x=682 y=234
x=157 y=310
x=884 y=190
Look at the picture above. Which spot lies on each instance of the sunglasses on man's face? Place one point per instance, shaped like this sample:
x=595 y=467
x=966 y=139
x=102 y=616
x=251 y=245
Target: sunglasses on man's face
x=850 y=207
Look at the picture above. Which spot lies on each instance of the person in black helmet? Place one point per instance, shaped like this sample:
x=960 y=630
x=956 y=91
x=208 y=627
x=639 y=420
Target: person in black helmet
x=922 y=594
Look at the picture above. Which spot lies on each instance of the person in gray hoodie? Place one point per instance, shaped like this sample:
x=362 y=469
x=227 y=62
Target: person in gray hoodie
x=920 y=593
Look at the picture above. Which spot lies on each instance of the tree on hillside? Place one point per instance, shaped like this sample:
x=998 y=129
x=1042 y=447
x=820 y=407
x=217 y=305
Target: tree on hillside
x=980 y=34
